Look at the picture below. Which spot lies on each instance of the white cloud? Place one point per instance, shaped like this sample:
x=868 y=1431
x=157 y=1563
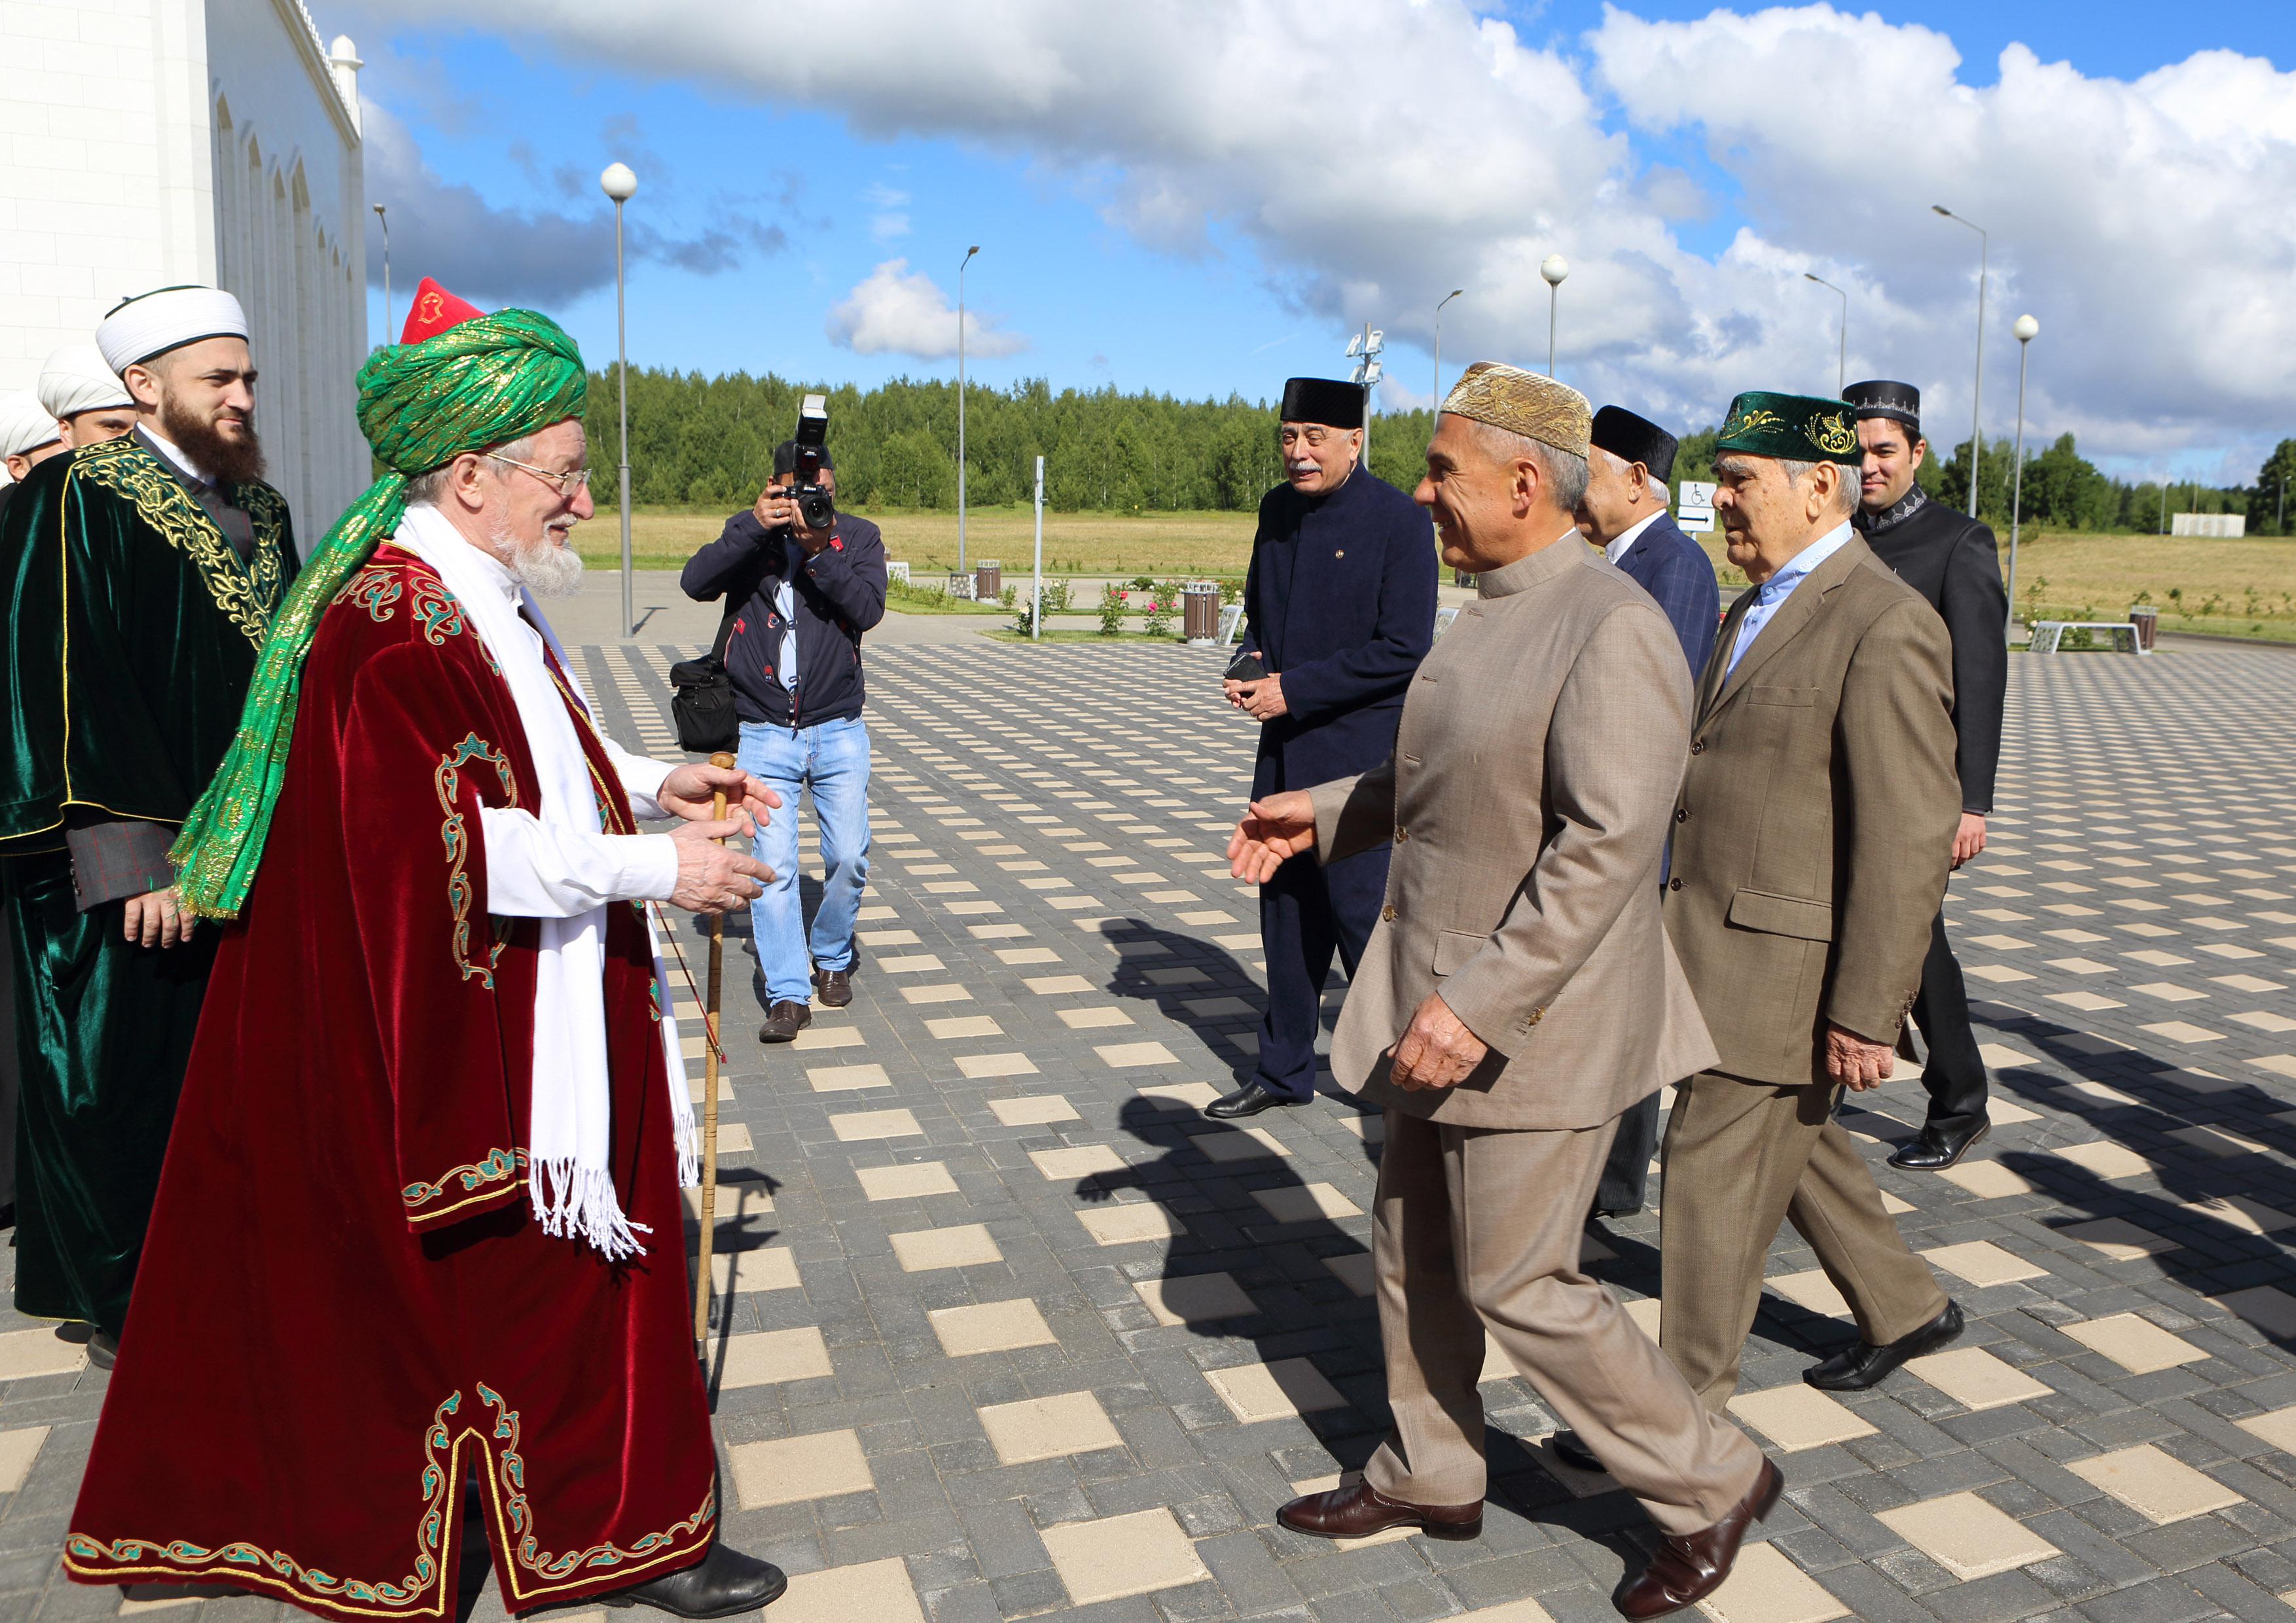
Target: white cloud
x=2150 y=224
x=895 y=310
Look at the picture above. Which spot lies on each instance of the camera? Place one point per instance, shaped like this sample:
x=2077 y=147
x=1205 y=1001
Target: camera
x=803 y=481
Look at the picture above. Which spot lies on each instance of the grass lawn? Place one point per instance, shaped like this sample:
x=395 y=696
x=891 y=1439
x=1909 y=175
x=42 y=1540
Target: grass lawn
x=2243 y=588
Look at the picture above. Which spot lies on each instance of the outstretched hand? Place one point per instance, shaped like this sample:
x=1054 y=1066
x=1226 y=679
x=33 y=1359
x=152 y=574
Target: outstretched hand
x=1271 y=832
x=688 y=790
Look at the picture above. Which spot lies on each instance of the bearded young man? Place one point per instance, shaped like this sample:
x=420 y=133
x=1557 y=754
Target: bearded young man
x=143 y=573
x=435 y=1101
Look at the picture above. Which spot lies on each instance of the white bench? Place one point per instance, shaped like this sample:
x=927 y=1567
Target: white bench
x=2048 y=635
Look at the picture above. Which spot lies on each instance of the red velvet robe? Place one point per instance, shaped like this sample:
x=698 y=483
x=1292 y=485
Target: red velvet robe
x=345 y=1307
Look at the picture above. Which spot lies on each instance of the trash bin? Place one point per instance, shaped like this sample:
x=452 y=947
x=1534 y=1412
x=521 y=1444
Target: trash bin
x=988 y=580
x=960 y=586
x=2147 y=621
x=1200 y=607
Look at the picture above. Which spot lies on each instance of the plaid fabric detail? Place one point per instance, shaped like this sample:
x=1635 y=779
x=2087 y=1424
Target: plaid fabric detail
x=123 y=857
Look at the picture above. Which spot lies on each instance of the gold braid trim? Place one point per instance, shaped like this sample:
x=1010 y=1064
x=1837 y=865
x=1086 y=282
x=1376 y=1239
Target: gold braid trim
x=247 y=593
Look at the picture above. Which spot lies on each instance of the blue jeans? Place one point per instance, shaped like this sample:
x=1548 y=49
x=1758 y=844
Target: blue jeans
x=832 y=760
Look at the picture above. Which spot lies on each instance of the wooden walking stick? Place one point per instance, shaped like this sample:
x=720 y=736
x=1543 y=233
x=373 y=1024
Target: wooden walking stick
x=709 y=1103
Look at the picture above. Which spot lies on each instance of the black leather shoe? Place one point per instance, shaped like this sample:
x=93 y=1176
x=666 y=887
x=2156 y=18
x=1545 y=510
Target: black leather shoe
x=834 y=987
x=784 y=1020
x=1860 y=1365
x=1931 y=1151
x=102 y=1348
x=723 y=1583
x=1575 y=1454
x=1249 y=1100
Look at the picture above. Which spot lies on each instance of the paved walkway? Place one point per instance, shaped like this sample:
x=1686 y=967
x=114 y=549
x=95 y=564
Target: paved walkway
x=1015 y=1331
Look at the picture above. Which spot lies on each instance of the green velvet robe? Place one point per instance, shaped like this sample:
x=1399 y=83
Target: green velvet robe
x=133 y=632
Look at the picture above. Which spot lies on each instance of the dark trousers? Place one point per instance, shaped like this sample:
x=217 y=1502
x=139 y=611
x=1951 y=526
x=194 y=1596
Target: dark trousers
x=1954 y=1074
x=1625 y=1169
x=1307 y=913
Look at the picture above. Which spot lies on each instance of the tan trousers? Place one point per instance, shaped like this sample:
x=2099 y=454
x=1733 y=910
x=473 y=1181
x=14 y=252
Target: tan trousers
x=1474 y=1227
x=1740 y=1157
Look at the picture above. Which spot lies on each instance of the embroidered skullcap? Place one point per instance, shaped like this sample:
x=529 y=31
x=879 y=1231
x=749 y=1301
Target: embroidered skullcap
x=150 y=324
x=1524 y=403
x=1327 y=401
x=25 y=424
x=1791 y=428
x=1885 y=397
x=481 y=382
x=75 y=380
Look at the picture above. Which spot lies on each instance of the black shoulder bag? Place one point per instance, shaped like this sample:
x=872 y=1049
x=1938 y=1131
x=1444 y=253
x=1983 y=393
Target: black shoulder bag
x=703 y=702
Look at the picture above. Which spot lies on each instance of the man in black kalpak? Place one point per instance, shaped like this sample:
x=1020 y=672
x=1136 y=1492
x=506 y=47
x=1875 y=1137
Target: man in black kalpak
x=1952 y=560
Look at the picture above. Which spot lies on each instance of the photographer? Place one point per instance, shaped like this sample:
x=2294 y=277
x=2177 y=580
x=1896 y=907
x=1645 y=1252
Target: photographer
x=794 y=659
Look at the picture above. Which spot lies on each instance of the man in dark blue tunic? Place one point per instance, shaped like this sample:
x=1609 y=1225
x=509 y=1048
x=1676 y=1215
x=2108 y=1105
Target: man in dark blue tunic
x=1624 y=513
x=1340 y=607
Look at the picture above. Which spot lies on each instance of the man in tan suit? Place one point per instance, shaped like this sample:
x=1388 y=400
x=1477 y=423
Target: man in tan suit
x=1517 y=995
x=1811 y=845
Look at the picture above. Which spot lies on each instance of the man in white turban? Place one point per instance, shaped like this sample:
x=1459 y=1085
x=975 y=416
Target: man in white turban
x=143 y=572
x=29 y=435
x=85 y=395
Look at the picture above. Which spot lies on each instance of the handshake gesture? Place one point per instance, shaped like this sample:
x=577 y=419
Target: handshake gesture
x=1276 y=829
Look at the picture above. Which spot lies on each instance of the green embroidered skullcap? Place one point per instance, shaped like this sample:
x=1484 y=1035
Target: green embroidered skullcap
x=481 y=382
x=1791 y=428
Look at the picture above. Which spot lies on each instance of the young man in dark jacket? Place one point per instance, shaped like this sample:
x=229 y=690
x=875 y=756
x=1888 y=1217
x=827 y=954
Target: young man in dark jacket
x=794 y=656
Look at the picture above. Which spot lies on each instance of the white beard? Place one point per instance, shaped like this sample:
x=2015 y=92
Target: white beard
x=546 y=569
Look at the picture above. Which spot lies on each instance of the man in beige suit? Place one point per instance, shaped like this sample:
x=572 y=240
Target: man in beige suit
x=1517 y=995
x=1811 y=845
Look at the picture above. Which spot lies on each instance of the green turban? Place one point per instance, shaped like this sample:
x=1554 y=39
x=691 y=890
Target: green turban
x=481 y=382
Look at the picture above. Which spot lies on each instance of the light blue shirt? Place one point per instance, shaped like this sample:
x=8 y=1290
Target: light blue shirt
x=785 y=605
x=1775 y=591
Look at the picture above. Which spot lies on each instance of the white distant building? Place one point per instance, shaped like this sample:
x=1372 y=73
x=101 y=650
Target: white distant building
x=144 y=143
x=2208 y=524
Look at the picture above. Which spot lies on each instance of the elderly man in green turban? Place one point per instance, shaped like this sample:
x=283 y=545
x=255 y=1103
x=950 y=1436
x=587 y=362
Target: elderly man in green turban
x=421 y=1223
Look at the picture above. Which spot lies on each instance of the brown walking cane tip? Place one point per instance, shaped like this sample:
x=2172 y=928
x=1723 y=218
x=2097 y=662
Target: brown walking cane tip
x=709 y=1102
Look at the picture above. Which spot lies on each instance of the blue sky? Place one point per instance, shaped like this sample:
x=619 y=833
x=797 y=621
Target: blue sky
x=1126 y=240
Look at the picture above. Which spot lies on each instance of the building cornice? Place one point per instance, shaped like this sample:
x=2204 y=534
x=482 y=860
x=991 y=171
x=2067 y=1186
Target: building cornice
x=313 y=52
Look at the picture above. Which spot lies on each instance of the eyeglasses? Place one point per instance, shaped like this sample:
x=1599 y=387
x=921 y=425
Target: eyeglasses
x=567 y=482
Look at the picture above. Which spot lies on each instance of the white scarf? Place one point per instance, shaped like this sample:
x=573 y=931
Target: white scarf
x=571 y=1116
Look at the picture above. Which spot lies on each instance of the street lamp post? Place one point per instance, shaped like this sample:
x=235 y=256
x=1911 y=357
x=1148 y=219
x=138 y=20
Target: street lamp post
x=1841 y=360
x=621 y=184
x=385 y=218
x=1363 y=349
x=1553 y=269
x=1977 y=390
x=960 y=403
x=1447 y=297
x=2026 y=329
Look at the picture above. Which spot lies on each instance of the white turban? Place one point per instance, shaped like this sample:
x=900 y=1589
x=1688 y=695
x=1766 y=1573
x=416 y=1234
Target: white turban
x=152 y=323
x=75 y=380
x=25 y=424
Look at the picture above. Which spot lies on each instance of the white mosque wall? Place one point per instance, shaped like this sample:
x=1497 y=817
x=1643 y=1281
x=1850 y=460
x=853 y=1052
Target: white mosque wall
x=150 y=142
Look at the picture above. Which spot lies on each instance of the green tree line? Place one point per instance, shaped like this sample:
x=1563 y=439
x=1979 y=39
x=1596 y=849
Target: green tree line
x=697 y=441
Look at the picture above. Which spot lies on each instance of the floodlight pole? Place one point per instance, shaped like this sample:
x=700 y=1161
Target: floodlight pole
x=1036 y=595
x=1977 y=390
x=621 y=185
x=2026 y=329
x=385 y=218
x=1841 y=360
x=960 y=403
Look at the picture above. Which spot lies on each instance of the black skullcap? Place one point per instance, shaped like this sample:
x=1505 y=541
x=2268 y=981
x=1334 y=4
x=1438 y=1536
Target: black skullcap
x=786 y=458
x=1881 y=398
x=1326 y=401
x=1632 y=439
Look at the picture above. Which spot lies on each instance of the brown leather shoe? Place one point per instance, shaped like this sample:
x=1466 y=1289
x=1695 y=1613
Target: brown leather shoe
x=834 y=987
x=1691 y=1566
x=784 y=1020
x=1356 y=1509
